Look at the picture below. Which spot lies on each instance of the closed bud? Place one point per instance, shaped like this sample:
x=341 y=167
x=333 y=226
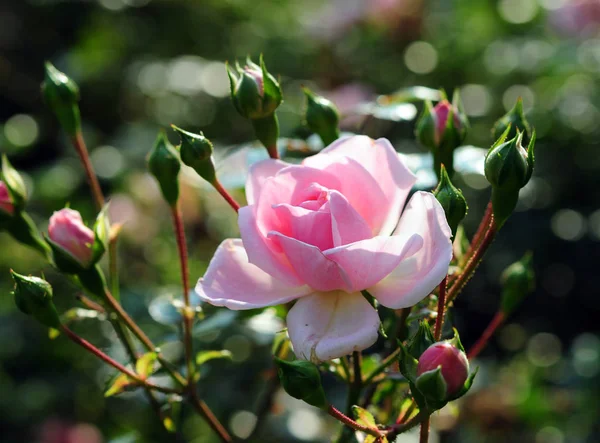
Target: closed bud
x=255 y=93
x=61 y=95
x=518 y=282
x=33 y=296
x=196 y=152
x=452 y=363
x=302 y=380
x=6 y=205
x=515 y=118
x=14 y=187
x=322 y=117
x=508 y=168
x=71 y=241
x=164 y=164
x=442 y=128
x=452 y=200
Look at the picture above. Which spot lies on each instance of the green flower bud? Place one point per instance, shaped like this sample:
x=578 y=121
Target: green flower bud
x=164 y=164
x=61 y=95
x=515 y=118
x=196 y=152
x=255 y=93
x=302 y=380
x=33 y=296
x=508 y=168
x=14 y=184
x=322 y=117
x=518 y=282
x=442 y=129
x=452 y=200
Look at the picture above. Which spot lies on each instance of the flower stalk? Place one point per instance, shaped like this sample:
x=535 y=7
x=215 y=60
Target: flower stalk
x=115 y=364
x=489 y=331
x=188 y=313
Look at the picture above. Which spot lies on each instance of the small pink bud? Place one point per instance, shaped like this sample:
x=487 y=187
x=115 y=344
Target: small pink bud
x=257 y=76
x=441 y=112
x=6 y=204
x=454 y=364
x=67 y=230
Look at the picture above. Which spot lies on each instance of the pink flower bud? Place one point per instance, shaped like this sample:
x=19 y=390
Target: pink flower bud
x=454 y=364
x=441 y=112
x=5 y=200
x=67 y=230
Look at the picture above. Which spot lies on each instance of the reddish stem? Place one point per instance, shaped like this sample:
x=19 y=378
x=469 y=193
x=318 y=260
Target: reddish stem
x=424 y=436
x=188 y=314
x=81 y=148
x=439 y=321
x=473 y=262
x=351 y=423
x=482 y=342
x=226 y=195
x=203 y=409
x=485 y=221
x=115 y=364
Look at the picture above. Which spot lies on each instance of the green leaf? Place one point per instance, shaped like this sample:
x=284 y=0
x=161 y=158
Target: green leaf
x=204 y=356
x=146 y=365
x=120 y=384
x=364 y=417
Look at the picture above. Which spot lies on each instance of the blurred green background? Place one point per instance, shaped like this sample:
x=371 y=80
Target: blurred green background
x=144 y=64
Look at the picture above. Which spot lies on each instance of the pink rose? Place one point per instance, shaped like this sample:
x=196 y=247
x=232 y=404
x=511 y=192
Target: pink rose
x=67 y=230
x=5 y=200
x=325 y=230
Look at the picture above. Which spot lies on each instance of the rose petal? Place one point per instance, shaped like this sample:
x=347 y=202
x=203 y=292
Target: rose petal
x=361 y=190
x=382 y=162
x=311 y=266
x=262 y=251
x=257 y=175
x=323 y=326
x=368 y=261
x=289 y=185
x=305 y=225
x=233 y=282
x=347 y=224
x=416 y=277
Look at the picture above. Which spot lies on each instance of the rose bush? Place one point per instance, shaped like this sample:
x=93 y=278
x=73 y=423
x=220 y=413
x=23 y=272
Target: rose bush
x=323 y=231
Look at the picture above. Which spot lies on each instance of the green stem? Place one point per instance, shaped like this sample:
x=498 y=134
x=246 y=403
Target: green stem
x=267 y=132
x=388 y=361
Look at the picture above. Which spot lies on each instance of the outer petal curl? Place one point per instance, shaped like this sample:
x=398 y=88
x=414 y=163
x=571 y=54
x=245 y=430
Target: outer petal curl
x=233 y=282
x=328 y=325
x=416 y=277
